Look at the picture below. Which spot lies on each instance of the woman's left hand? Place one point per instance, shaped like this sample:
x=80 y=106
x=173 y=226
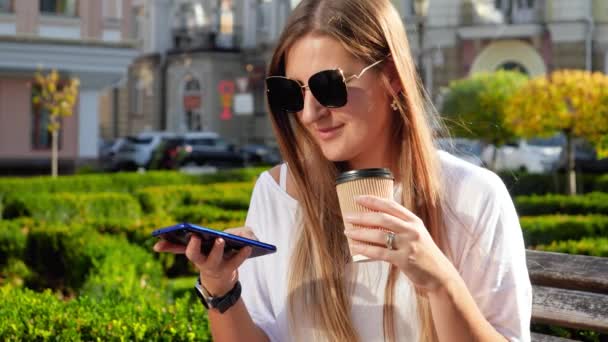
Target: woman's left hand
x=414 y=251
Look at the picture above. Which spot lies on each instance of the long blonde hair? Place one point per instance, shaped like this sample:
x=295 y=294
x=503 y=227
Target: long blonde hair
x=369 y=30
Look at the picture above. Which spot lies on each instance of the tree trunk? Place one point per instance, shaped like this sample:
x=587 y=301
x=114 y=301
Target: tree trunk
x=494 y=157
x=570 y=157
x=54 y=153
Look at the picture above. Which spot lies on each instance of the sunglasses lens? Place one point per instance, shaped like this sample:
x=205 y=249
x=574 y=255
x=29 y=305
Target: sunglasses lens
x=328 y=88
x=285 y=94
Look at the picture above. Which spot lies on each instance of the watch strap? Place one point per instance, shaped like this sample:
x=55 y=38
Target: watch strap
x=223 y=303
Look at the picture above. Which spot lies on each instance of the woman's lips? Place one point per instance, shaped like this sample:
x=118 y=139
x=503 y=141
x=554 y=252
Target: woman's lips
x=329 y=132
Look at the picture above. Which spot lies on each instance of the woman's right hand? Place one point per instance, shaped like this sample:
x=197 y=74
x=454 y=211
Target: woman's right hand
x=218 y=275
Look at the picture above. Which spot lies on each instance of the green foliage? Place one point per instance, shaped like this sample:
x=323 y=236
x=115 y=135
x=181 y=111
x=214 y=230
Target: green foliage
x=12 y=241
x=474 y=107
x=208 y=215
x=602 y=183
x=592 y=203
x=571 y=101
x=168 y=198
x=28 y=316
x=70 y=207
x=545 y=229
x=586 y=246
x=116 y=182
x=520 y=183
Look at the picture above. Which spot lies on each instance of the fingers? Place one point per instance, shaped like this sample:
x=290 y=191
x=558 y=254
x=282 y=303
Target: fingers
x=193 y=250
x=381 y=219
x=371 y=251
x=387 y=206
x=216 y=256
x=166 y=246
x=236 y=261
x=245 y=232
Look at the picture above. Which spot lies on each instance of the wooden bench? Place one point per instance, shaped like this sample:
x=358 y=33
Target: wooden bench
x=569 y=291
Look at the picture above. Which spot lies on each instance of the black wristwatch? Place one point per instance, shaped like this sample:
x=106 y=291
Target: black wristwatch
x=222 y=303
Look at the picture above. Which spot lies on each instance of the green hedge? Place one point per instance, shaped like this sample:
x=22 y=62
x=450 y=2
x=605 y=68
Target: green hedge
x=117 y=182
x=64 y=256
x=520 y=183
x=70 y=207
x=121 y=182
x=161 y=199
x=12 y=241
x=545 y=229
x=592 y=203
x=208 y=215
x=29 y=316
x=601 y=184
x=586 y=246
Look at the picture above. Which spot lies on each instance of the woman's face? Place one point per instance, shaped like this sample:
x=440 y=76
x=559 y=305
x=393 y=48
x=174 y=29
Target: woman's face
x=358 y=132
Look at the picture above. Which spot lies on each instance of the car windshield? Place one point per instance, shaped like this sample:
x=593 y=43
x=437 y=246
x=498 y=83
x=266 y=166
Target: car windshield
x=139 y=141
x=555 y=141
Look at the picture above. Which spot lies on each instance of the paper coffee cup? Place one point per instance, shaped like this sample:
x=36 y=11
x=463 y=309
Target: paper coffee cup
x=350 y=184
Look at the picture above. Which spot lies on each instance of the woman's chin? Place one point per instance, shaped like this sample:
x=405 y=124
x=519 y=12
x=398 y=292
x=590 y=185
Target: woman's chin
x=336 y=155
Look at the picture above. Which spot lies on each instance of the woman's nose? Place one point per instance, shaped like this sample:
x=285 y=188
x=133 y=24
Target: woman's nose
x=313 y=110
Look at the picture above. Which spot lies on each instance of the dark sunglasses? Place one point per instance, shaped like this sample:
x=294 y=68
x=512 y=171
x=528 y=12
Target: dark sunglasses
x=327 y=86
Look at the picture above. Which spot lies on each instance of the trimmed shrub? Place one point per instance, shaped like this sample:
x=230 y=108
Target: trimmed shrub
x=117 y=182
x=70 y=207
x=520 y=183
x=121 y=182
x=208 y=215
x=168 y=198
x=586 y=246
x=28 y=316
x=601 y=184
x=12 y=240
x=592 y=203
x=545 y=229
x=64 y=256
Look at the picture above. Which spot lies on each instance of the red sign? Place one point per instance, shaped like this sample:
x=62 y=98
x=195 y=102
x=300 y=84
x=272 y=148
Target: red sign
x=192 y=102
x=226 y=89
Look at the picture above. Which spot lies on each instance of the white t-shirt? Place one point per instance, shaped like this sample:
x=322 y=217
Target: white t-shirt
x=483 y=232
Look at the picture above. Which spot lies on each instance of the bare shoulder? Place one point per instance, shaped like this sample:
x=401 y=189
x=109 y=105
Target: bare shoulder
x=275 y=172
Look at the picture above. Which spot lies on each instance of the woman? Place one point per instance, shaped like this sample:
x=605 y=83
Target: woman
x=343 y=95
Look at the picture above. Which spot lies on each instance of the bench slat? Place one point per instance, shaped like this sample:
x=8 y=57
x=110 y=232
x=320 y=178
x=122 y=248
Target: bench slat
x=536 y=337
x=570 y=308
x=568 y=271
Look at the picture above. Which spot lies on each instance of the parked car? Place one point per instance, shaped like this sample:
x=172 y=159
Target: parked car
x=138 y=150
x=585 y=159
x=257 y=154
x=466 y=149
x=107 y=153
x=537 y=155
x=209 y=149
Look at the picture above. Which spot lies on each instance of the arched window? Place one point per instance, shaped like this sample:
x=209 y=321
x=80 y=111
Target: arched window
x=513 y=66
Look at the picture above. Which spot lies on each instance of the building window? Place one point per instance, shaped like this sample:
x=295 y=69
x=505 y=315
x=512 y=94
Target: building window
x=138 y=92
x=41 y=137
x=513 y=66
x=67 y=8
x=112 y=9
x=7 y=6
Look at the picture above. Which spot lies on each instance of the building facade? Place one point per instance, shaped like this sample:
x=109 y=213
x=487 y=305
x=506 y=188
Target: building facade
x=87 y=39
x=203 y=66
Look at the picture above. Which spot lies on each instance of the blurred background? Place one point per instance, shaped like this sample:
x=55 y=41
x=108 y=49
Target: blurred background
x=176 y=83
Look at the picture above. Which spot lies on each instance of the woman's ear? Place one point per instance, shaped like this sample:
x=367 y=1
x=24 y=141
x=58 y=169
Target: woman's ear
x=393 y=76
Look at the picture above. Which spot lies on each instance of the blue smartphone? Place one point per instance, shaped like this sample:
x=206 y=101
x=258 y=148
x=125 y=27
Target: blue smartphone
x=180 y=234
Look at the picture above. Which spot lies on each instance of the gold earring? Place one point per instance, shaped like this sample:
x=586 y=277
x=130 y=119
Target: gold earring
x=395 y=104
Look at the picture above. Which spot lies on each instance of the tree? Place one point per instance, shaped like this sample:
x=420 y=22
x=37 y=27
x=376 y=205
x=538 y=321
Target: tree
x=474 y=107
x=574 y=102
x=57 y=97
